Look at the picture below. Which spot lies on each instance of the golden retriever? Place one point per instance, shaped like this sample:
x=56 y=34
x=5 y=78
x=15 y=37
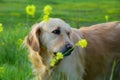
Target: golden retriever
x=91 y=63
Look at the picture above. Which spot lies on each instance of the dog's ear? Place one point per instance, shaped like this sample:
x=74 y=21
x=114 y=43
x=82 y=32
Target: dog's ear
x=33 y=39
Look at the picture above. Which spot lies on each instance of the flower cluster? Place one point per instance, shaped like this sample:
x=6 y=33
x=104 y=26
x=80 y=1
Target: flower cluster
x=1 y=27
x=83 y=43
x=30 y=10
x=59 y=56
x=47 y=10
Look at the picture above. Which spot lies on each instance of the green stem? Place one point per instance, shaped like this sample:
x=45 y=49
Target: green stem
x=70 y=50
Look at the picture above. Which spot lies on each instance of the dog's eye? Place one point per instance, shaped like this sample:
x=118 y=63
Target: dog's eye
x=57 y=31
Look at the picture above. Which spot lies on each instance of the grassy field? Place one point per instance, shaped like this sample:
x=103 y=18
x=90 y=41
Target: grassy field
x=14 y=62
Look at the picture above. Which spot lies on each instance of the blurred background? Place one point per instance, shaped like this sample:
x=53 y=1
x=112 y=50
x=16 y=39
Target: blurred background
x=15 y=23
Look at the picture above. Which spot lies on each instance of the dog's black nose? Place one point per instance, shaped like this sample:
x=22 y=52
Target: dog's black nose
x=55 y=53
x=68 y=46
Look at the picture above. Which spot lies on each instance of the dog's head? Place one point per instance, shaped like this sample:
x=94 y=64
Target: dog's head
x=50 y=37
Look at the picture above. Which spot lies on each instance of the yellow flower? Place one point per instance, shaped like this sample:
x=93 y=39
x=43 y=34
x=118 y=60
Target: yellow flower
x=47 y=9
x=1 y=27
x=20 y=41
x=53 y=62
x=59 y=56
x=46 y=18
x=30 y=10
x=83 y=43
x=106 y=18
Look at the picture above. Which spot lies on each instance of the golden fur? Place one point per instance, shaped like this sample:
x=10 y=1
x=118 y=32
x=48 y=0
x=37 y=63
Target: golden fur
x=91 y=63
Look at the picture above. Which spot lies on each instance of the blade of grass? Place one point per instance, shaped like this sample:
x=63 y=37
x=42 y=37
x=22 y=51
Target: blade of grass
x=113 y=68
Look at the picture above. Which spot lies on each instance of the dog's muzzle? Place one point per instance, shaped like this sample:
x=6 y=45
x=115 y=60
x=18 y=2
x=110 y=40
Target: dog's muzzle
x=67 y=50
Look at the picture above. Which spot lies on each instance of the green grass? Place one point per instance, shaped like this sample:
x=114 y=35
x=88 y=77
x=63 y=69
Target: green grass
x=13 y=58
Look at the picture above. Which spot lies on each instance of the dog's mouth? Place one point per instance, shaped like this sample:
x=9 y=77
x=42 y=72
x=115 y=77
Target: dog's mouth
x=65 y=52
